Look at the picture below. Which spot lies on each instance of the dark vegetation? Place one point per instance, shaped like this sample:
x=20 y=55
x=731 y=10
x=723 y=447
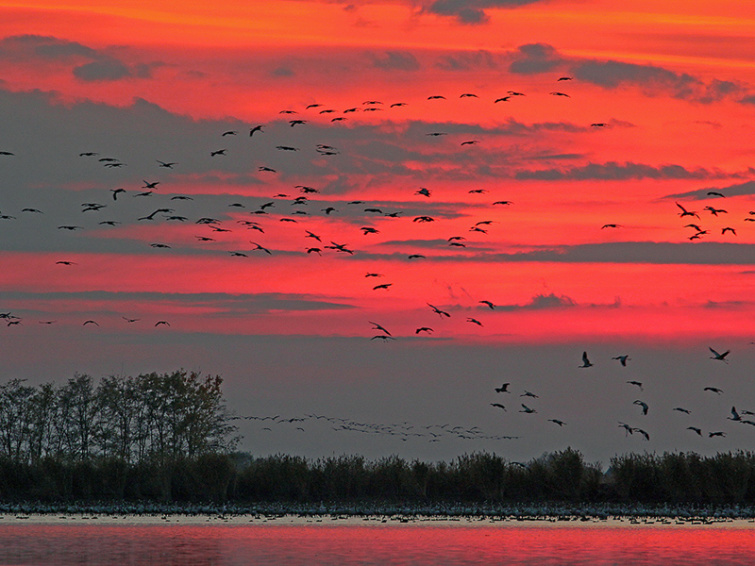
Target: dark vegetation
x=168 y=438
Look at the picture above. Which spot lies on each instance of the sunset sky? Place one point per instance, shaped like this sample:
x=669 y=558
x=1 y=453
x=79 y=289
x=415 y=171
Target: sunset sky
x=536 y=154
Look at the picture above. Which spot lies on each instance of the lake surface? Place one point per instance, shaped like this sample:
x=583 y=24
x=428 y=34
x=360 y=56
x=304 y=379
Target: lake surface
x=107 y=541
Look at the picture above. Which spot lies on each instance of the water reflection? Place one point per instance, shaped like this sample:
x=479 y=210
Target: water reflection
x=101 y=542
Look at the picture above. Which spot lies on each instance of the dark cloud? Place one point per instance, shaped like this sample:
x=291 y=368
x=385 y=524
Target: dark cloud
x=282 y=72
x=535 y=58
x=538 y=58
x=218 y=303
x=726 y=304
x=472 y=11
x=739 y=189
x=29 y=47
x=542 y=301
x=653 y=79
x=467 y=61
x=394 y=61
x=659 y=253
x=617 y=171
x=88 y=64
x=144 y=70
x=106 y=70
x=556 y=156
x=750 y=99
x=611 y=74
x=702 y=253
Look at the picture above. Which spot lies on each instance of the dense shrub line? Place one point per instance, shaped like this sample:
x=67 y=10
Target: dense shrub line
x=671 y=478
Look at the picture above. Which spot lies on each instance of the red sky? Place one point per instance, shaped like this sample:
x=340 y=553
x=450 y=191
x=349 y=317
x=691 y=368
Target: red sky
x=652 y=116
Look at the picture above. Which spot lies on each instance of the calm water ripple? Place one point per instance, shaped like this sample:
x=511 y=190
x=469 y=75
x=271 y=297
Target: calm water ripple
x=99 y=543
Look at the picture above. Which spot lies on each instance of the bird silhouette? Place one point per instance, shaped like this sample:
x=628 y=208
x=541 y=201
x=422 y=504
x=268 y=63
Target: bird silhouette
x=585 y=361
x=684 y=212
x=261 y=248
x=376 y=326
x=439 y=312
x=719 y=357
x=642 y=432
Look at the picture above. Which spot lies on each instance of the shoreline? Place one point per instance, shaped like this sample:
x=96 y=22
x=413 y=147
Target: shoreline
x=361 y=513
x=378 y=521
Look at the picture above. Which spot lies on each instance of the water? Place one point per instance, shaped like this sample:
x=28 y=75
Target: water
x=112 y=541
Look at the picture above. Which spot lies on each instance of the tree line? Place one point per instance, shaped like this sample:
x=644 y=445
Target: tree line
x=88 y=439
x=169 y=437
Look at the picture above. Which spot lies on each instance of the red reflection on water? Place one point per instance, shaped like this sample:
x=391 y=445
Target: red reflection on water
x=104 y=542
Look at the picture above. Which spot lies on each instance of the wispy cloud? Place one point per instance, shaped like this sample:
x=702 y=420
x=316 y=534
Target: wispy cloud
x=87 y=64
x=738 y=189
x=538 y=58
x=654 y=80
x=217 y=303
x=542 y=301
x=467 y=61
x=394 y=61
x=619 y=171
x=535 y=58
x=472 y=11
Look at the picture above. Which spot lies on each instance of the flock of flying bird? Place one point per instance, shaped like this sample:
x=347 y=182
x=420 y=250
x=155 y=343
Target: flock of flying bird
x=403 y=430
x=438 y=432
x=623 y=359
x=215 y=226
